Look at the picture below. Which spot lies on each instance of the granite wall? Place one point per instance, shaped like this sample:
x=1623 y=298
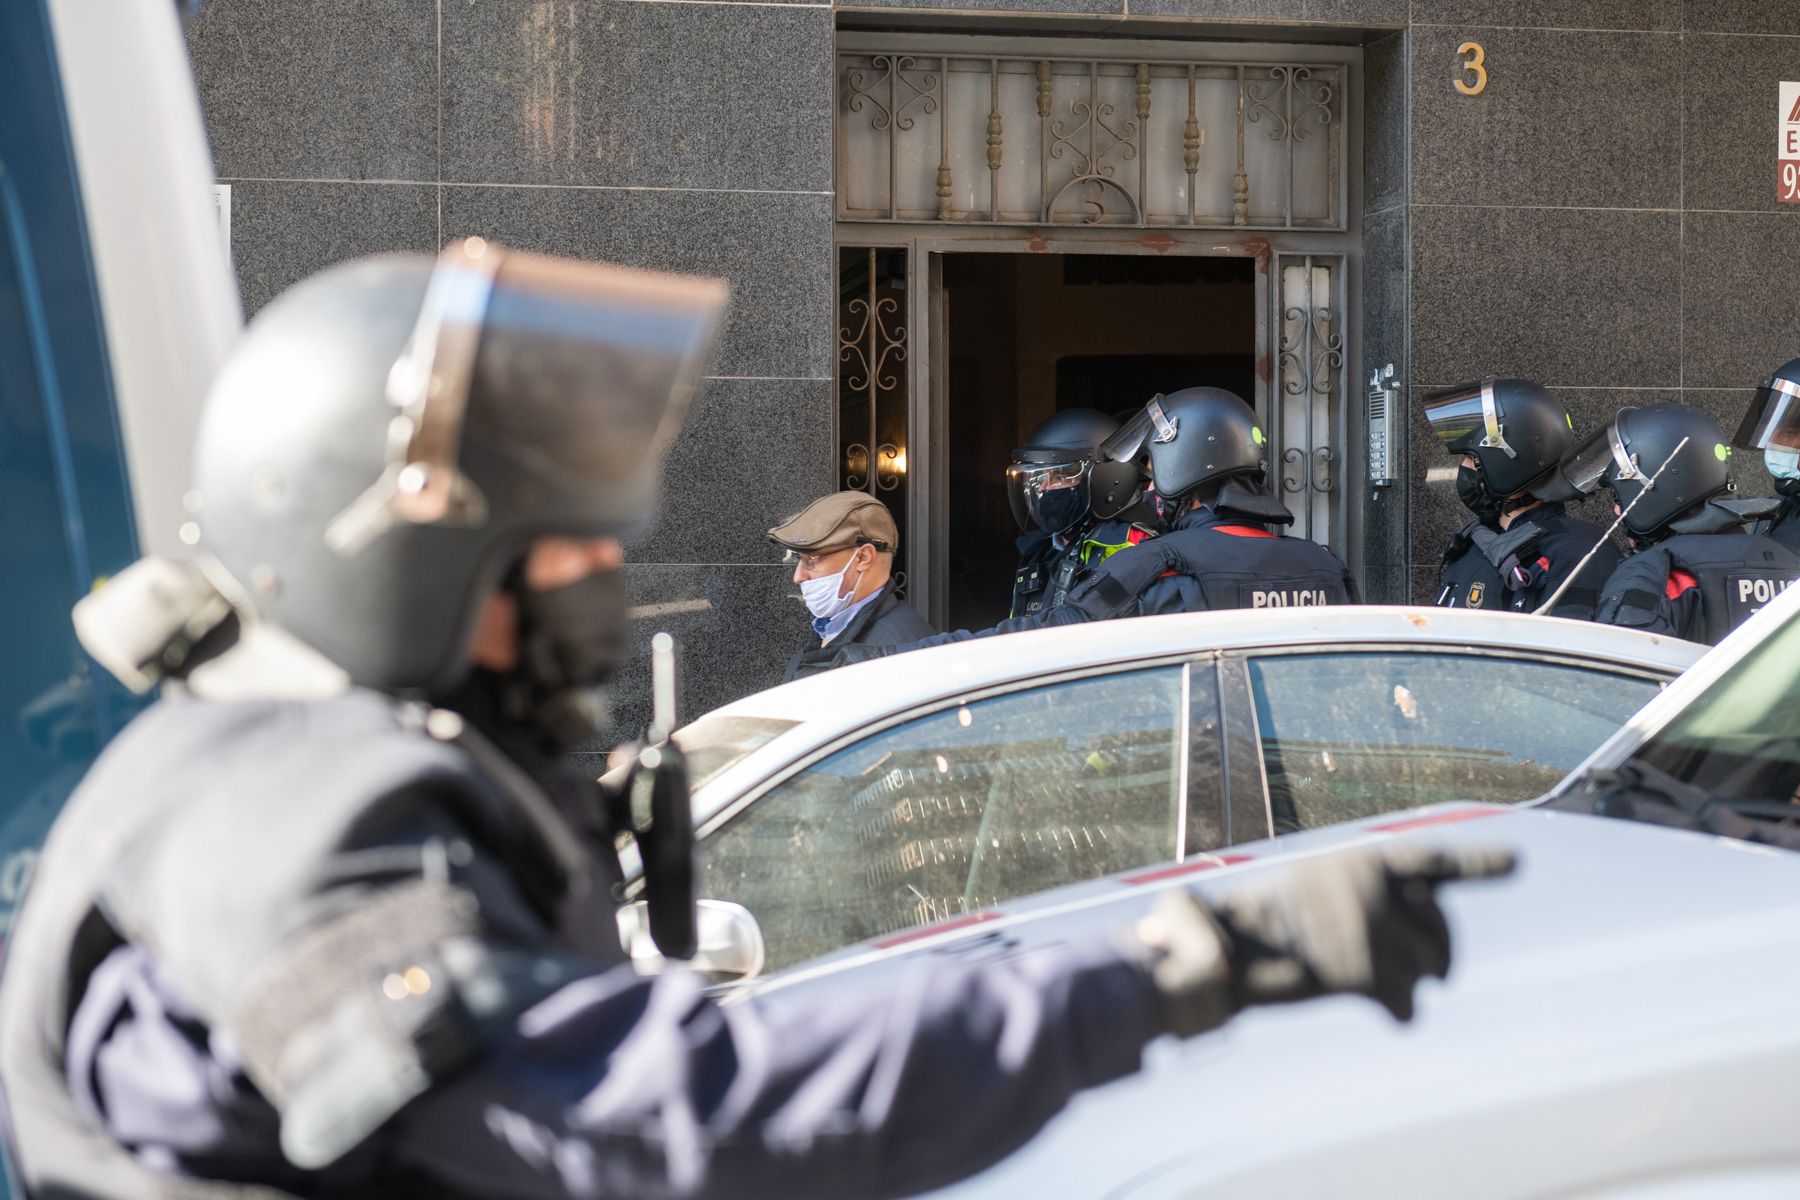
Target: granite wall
x=691 y=137
x=1601 y=217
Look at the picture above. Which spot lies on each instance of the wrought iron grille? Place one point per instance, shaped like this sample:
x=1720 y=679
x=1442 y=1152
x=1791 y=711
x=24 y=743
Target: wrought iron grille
x=872 y=381
x=1016 y=140
x=1307 y=400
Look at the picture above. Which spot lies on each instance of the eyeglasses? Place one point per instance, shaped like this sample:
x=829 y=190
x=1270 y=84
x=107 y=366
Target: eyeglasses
x=812 y=562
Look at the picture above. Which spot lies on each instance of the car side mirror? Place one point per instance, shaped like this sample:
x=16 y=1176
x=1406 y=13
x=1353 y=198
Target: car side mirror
x=730 y=941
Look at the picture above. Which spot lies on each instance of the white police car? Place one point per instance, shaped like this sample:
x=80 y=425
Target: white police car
x=869 y=801
x=1619 y=1021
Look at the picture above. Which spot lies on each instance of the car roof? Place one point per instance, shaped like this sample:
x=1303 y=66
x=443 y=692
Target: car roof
x=902 y=680
x=831 y=704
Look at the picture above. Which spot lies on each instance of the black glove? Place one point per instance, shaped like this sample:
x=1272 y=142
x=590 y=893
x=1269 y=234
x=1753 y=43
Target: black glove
x=1367 y=925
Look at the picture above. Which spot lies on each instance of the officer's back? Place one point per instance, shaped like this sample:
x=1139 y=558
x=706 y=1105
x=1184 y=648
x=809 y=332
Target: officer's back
x=1695 y=571
x=1222 y=544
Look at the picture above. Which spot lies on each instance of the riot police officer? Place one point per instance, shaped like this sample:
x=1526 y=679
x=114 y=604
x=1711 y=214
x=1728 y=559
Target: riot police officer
x=1695 y=571
x=1772 y=426
x=1074 y=507
x=1522 y=546
x=334 y=922
x=1220 y=545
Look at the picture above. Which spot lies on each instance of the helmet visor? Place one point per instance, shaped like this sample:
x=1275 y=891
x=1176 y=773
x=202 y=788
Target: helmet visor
x=1052 y=497
x=1584 y=468
x=1773 y=420
x=575 y=375
x=1151 y=424
x=1467 y=418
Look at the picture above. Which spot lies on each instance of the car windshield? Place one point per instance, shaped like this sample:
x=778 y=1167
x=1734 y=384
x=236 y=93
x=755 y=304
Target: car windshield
x=1740 y=739
x=714 y=743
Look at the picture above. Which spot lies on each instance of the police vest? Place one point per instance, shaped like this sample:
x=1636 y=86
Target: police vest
x=1044 y=580
x=1236 y=566
x=1481 y=566
x=1735 y=574
x=201 y=835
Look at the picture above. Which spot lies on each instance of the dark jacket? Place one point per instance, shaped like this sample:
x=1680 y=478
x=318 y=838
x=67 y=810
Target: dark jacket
x=1517 y=569
x=1047 y=571
x=1698 y=586
x=1210 y=560
x=1784 y=526
x=887 y=620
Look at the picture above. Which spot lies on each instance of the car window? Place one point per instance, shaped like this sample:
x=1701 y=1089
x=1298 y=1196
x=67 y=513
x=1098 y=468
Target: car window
x=714 y=743
x=1355 y=734
x=1740 y=738
x=957 y=810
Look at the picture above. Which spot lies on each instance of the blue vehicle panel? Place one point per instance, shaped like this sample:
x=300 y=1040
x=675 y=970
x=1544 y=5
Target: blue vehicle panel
x=65 y=501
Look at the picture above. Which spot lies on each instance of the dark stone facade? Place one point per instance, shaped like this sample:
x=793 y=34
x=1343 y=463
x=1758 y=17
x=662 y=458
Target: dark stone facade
x=1602 y=217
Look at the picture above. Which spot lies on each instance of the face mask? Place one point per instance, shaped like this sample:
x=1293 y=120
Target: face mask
x=1475 y=496
x=822 y=595
x=1784 y=465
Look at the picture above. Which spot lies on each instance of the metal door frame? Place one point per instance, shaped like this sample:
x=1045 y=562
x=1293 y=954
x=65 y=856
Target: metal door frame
x=927 y=242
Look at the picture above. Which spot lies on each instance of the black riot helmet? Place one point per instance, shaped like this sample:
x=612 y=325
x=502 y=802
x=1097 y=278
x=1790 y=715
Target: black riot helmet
x=1773 y=419
x=387 y=438
x=1049 y=482
x=1193 y=437
x=1516 y=431
x=1629 y=452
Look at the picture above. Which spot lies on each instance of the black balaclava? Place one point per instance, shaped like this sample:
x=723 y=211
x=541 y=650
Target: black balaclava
x=571 y=641
x=1472 y=490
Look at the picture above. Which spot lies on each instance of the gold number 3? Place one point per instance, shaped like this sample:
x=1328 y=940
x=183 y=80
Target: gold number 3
x=1472 y=66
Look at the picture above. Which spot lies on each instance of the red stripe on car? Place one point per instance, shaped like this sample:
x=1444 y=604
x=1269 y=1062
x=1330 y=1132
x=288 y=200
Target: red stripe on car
x=1177 y=870
x=1443 y=818
x=913 y=935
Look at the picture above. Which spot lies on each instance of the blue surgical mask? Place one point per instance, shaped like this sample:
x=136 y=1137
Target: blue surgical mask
x=1782 y=463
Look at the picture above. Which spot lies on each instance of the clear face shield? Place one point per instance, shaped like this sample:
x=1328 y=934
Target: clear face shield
x=1773 y=422
x=571 y=375
x=1133 y=439
x=1053 y=497
x=1588 y=465
x=1467 y=419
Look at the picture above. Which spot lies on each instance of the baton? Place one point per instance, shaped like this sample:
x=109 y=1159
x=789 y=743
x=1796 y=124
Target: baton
x=1619 y=520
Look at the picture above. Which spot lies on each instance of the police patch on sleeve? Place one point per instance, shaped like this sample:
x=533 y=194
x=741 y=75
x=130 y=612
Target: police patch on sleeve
x=1477 y=592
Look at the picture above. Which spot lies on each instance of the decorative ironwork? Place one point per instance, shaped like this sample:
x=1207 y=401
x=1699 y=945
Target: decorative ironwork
x=938 y=123
x=1240 y=183
x=872 y=403
x=1309 y=366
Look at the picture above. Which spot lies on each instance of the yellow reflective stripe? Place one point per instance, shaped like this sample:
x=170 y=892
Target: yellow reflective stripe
x=1106 y=550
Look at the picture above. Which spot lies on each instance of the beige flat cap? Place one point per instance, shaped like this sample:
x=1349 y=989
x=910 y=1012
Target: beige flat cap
x=837 y=521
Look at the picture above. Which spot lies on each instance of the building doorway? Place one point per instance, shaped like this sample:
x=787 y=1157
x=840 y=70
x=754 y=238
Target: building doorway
x=1030 y=335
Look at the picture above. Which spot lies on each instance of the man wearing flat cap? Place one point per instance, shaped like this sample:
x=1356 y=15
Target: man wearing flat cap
x=842 y=548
